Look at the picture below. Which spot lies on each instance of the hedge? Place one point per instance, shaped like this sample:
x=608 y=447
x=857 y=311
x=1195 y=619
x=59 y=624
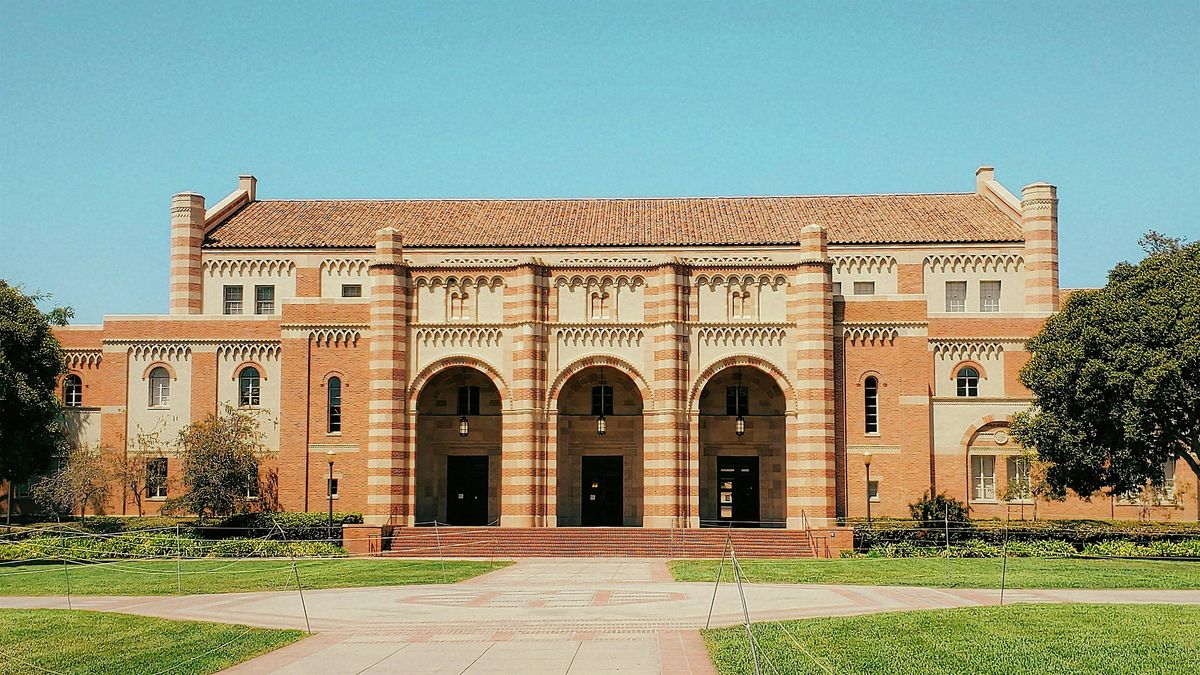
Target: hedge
x=1078 y=533
x=133 y=545
x=295 y=526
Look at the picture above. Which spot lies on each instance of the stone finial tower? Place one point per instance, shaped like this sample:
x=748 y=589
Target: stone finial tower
x=390 y=459
x=187 y=233
x=1039 y=224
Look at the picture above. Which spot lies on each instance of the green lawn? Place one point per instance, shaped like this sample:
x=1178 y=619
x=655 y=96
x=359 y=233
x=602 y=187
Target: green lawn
x=158 y=577
x=1003 y=640
x=964 y=572
x=64 y=641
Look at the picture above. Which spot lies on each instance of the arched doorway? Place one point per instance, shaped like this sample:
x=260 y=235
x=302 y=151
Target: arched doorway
x=458 y=449
x=743 y=427
x=600 y=450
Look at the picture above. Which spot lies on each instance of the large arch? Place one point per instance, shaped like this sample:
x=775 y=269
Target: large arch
x=596 y=360
x=741 y=414
x=598 y=478
x=457 y=361
x=457 y=475
x=742 y=361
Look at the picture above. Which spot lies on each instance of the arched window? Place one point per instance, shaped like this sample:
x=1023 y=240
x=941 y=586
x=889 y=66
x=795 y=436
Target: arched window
x=73 y=391
x=333 y=390
x=968 y=381
x=248 y=387
x=160 y=388
x=602 y=400
x=737 y=400
x=871 y=405
x=740 y=305
x=599 y=305
x=459 y=307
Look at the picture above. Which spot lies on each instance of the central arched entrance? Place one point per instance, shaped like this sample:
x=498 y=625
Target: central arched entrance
x=743 y=431
x=458 y=449
x=600 y=450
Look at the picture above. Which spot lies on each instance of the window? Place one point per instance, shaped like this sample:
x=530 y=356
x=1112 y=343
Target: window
x=156 y=478
x=1018 y=478
x=251 y=492
x=837 y=288
x=351 y=290
x=264 y=299
x=460 y=307
x=967 y=381
x=331 y=485
x=160 y=388
x=602 y=400
x=233 y=299
x=737 y=400
x=599 y=305
x=871 y=405
x=864 y=288
x=468 y=400
x=248 y=387
x=989 y=296
x=1169 y=480
x=740 y=305
x=73 y=391
x=983 y=475
x=873 y=490
x=956 y=296
x=333 y=393
x=24 y=489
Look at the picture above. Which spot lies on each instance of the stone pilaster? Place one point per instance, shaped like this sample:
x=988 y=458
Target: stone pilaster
x=187 y=234
x=1039 y=224
x=391 y=494
x=524 y=467
x=668 y=470
x=811 y=447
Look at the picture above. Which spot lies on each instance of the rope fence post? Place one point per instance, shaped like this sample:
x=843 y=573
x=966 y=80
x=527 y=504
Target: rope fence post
x=296 y=573
x=178 y=558
x=66 y=570
x=737 y=575
x=717 y=585
x=1004 y=554
x=947 y=521
x=441 y=556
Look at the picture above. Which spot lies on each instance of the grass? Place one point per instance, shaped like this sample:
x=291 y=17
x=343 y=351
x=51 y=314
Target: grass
x=65 y=641
x=964 y=572
x=158 y=577
x=1040 y=639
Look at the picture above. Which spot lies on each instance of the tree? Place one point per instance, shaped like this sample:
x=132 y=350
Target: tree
x=1116 y=376
x=79 y=480
x=129 y=469
x=221 y=455
x=31 y=361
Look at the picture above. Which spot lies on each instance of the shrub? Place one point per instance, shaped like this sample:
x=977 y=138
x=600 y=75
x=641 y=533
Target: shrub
x=1189 y=548
x=133 y=545
x=295 y=525
x=934 y=510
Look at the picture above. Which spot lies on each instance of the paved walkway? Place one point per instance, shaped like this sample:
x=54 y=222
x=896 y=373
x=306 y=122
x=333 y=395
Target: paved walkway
x=543 y=616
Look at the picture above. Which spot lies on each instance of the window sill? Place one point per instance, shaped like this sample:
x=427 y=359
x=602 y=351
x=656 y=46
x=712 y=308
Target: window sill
x=156 y=499
x=985 y=501
x=875 y=500
x=333 y=433
x=159 y=407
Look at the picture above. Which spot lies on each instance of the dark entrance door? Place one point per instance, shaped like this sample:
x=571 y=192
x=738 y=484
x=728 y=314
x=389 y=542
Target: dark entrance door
x=467 y=489
x=602 y=489
x=737 y=490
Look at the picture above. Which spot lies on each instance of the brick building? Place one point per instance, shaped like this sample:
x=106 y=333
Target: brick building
x=632 y=362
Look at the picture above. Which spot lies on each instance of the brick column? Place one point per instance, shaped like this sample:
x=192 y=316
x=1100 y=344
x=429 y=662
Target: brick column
x=391 y=494
x=296 y=387
x=667 y=469
x=524 y=468
x=811 y=463
x=1039 y=223
x=112 y=397
x=187 y=233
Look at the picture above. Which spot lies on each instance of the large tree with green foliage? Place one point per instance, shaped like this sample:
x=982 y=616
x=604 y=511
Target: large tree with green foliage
x=31 y=426
x=221 y=456
x=1116 y=376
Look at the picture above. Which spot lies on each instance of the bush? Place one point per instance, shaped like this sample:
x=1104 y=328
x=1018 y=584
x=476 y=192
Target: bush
x=133 y=545
x=934 y=510
x=295 y=526
x=1189 y=548
x=1076 y=533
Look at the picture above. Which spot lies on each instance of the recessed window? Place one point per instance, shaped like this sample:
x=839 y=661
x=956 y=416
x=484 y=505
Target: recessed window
x=1169 y=480
x=160 y=388
x=331 y=487
x=983 y=476
x=956 y=296
x=989 y=296
x=602 y=400
x=871 y=405
x=967 y=381
x=156 y=478
x=864 y=288
x=73 y=391
x=739 y=305
x=460 y=305
x=251 y=492
x=264 y=299
x=873 y=490
x=468 y=400
x=600 y=308
x=737 y=400
x=351 y=290
x=248 y=387
x=334 y=401
x=233 y=300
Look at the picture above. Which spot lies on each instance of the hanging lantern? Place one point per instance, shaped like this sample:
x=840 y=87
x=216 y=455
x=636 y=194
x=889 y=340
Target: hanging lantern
x=464 y=426
x=601 y=426
x=739 y=426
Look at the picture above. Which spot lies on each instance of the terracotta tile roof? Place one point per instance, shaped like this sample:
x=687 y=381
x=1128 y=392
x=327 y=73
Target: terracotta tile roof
x=727 y=221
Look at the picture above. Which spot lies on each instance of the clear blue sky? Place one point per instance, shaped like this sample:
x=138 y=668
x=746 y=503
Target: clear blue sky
x=107 y=109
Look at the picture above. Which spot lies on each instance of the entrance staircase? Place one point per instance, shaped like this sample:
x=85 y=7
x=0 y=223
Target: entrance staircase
x=634 y=542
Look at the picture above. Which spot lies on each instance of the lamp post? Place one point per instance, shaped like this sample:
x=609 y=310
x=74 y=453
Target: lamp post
x=329 y=455
x=867 y=463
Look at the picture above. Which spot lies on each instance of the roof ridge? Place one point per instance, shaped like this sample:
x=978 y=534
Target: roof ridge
x=291 y=200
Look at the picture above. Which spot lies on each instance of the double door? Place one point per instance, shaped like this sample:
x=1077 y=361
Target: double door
x=603 y=491
x=737 y=491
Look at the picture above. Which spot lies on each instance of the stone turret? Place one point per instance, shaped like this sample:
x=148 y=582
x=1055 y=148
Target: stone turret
x=1039 y=224
x=187 y=233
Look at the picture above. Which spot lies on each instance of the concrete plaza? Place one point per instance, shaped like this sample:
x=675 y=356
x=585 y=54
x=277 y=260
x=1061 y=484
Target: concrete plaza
x=543 y=616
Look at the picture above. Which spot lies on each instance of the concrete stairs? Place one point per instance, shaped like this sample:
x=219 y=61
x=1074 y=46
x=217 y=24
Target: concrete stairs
x=634 y=542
